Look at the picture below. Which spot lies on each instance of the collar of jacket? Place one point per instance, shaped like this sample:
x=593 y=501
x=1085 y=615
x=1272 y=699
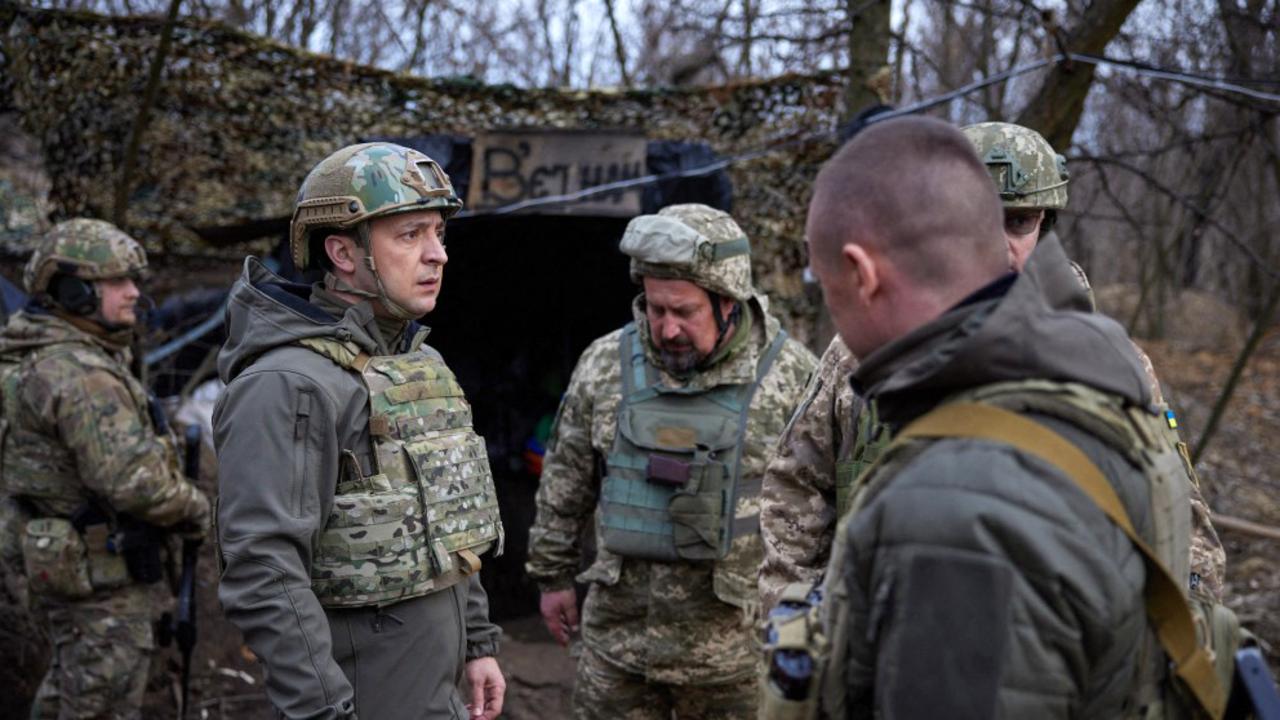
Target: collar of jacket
x=735 y=367
x=388 y=333
x=1041 y=328
x=35 y=326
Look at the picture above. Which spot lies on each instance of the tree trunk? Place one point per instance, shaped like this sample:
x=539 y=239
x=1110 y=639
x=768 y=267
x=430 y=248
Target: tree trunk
x=869 y=37
x=1056 y=108
x=618 y=47
x=120 y=207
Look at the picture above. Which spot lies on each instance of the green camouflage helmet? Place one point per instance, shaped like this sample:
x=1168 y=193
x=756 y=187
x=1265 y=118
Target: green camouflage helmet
x=84 y=248
x=362 y=182
x=691 y=242
x=1026 y=170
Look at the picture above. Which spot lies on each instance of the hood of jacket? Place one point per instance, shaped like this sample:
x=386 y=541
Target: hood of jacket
x=265 y=311
x=1041 y=328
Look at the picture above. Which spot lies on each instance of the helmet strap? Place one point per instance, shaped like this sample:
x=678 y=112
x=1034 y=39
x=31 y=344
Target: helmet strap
x=723 y=323
x=366 y=242
x=1049 y=221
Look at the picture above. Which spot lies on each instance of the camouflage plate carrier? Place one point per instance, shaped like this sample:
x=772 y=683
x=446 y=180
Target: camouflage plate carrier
x=1207 y=632
x=418 y=524
x=674 y=473
x=38 y=479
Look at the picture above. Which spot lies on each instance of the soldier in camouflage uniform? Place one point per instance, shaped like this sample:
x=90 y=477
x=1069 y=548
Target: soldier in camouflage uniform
x=88 y=478
x=706 y=378
x=354 y=496
x=822 y=451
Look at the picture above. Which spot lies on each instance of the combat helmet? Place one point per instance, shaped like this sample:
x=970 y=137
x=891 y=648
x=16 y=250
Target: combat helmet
x=82 y=250
x=1026 y=170
x=357 y=184
x=691 y=242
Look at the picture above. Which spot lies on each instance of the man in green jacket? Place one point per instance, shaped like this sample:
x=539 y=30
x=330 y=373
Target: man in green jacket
x=354 y=496
x=94 y=482
x=662 y=436
x=973 y=578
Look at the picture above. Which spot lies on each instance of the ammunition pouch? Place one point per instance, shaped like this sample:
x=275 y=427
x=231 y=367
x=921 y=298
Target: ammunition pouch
x=794 y=656
x=55 y=560
x=70 y=559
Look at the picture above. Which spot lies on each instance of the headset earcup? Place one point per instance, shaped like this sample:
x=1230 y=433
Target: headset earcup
x=77 y=296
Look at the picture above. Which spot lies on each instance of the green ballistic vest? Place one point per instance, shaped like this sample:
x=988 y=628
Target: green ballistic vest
x=871 y=437
x=418 y=523
x=673 y=476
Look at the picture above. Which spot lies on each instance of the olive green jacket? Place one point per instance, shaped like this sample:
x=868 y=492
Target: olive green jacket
x=981 y=582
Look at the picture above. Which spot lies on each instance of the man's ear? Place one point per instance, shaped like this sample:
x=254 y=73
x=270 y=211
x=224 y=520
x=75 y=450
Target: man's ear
x=865 y=269
x=726 y=305
x=342 y=253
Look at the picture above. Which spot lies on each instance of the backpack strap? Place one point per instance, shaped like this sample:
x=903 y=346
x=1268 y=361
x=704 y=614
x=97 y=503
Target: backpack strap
x=1166 y=605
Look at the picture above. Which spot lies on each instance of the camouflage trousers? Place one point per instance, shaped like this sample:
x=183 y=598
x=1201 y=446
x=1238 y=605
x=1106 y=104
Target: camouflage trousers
x=101 y=654
x=604 y=692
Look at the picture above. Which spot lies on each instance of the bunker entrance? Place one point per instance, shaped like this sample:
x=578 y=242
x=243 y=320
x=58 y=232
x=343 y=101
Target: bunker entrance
x=522 y=298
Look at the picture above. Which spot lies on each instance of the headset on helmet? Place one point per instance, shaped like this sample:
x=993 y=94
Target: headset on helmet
x=73 y=254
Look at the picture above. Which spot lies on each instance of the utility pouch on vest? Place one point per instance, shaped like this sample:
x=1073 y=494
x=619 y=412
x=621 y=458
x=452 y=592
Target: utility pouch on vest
x=698 y=511
x=665 y=470
x=1217 y=627
x=55 y=559
x=793 y=655
x=107 y=570
x=669 y=503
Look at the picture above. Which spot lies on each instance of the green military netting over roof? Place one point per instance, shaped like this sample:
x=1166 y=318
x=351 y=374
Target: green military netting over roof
x=240 y=119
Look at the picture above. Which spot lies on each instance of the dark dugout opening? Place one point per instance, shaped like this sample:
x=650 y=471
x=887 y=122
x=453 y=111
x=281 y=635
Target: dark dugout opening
x=522 y=298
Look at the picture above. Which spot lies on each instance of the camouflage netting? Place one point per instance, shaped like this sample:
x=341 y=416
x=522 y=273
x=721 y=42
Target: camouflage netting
x=239 y=120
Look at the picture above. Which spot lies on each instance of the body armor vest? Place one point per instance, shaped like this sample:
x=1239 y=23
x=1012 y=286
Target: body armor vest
x=673 y=475
x=871 y=438
x=418 y=523
x=35 y=466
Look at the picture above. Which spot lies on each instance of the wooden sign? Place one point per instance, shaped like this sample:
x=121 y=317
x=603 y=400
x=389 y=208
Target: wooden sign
x=515 y=166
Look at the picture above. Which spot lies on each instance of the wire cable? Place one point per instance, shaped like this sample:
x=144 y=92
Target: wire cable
x=1203 y=81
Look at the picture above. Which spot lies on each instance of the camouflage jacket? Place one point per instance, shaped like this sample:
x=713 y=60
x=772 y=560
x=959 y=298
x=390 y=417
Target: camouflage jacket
x=798 y=496
x=78 y=428
x=797 y=500
x=681 y=622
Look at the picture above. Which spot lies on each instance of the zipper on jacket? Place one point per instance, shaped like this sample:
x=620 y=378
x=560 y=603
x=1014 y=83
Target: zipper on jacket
x=301 y=449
